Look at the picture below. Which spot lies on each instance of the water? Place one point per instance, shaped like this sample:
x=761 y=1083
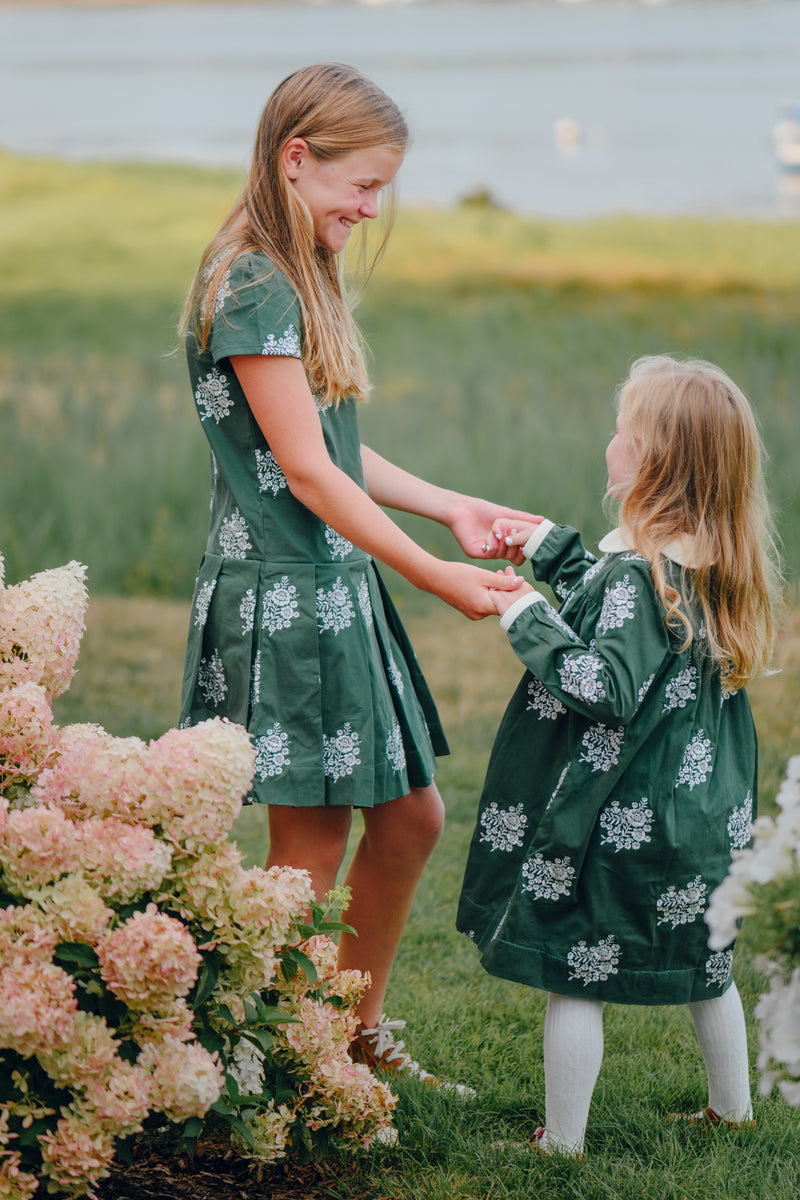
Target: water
x=674 y=103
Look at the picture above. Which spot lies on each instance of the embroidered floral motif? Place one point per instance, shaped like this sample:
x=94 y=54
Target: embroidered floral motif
x=255 y=680
x=203 y=601
x=726 y=691
x=280 y=606
x=339 y=546
x=680 y=689
x=224 y=290
x=247 y=611
x=395 y=753
x=548 y=879
x=364 y=602
x=593 y=964
x=602 y=746
x=645 y=688
x=558 y=620
x=626 y=828
x=679 y=907
x=272 y=752
x=561 y=589
x=340 y=753
x=618 y=605
x=503 y=827
x=234 y=540
x=286 y=346
x=270 y=476
x=594 y=569
x=211 y=679
x=334 y=608
x=697 y=759
x=578 y=675
x=212 y=396
x=543 y=702
x=739 y=823
x=395 y=676
x=633 y=557
x=718 y=967
x=557 y=788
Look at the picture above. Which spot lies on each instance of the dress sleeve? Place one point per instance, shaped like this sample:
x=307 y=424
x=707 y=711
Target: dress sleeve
x=605 y=673
x=258 y=312
x=559 y=557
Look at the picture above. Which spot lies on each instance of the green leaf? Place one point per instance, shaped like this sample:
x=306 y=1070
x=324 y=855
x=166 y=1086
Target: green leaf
x=206 y=980
x=298 y=959
x=77 y=953
x=260 y=1038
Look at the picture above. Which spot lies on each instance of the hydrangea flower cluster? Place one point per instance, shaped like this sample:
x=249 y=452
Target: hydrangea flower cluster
x=763 y=883
x=146 y=977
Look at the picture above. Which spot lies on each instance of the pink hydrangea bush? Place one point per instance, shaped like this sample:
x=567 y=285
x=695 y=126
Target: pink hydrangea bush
x=763 y=884
x=146 y=977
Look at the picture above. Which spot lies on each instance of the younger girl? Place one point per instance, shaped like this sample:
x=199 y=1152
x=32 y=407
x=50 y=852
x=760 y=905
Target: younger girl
x=293 y=634
x=624 y=771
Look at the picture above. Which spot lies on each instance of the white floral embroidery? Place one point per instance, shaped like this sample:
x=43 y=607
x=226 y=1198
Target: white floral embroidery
x=626 y=828
x=280 y=606
x=211 y=679
x=697 y=759
x=579 y=674
x=645 y=688
x=470 y=935
x=203 y=601
x=212 y=395
x=339 y=546
x=718 y=967
x=726 y=691
x=557 y=788
x=286 y=346
x=340 y=752
x=247 y=611
x=548 y=879
x=270 y=476
x=395 y=676
x=395 y=752
x=739 y=823
x=334 y=608
x=595 y=568
x=272 y=752
x=255 y=680
x=602 y=746
x=633 y=557
x=224 y=290
x=618 y=605
x=561 y=589
x=679 y=907
x=503 y=827
x=558 y=620
x=543 y=702
x=680 y=689
x=593 y=964
x=234 y=537
x=364 y=602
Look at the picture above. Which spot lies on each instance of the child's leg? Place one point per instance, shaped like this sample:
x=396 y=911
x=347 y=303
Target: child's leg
x=312 y=838
x=721 y=1032
x=573 y=1052
x=398 y=839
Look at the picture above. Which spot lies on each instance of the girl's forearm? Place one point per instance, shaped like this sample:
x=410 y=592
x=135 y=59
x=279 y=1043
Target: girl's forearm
x=393 y=487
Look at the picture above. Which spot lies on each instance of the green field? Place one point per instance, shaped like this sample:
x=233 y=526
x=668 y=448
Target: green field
x=497 y=343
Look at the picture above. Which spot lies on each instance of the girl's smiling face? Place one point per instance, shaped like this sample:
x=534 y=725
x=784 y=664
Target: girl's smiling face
x=623 y=459
x=342 y=191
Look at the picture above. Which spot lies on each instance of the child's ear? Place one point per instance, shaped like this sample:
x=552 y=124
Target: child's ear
x=292 y=156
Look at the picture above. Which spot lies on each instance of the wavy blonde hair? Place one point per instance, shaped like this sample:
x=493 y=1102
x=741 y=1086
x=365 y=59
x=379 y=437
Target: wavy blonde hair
x=700 y=474
x=335 y=109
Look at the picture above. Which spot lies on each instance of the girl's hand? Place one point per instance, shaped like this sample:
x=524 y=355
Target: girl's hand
x=513 y=534
x=472 y=522
x=472 y=590
x=502 y=597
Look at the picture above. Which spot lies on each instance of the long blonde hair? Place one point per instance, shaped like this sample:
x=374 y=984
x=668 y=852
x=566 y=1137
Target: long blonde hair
x=335 y=109
x=700 y=475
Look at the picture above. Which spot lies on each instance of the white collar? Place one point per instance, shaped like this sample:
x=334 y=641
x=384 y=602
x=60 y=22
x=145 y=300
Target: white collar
x=680 y=550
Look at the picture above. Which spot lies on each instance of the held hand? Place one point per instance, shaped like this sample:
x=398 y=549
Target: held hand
x=502 y=597
x=513 y=534
x=472 y=590
x=471 y=523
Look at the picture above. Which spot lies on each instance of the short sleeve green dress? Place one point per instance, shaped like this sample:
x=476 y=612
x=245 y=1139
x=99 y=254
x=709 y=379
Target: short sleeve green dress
x=622 y=779
x=292 y=632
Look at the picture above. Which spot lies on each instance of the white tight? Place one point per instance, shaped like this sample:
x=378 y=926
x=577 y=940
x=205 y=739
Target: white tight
x=573 y=1053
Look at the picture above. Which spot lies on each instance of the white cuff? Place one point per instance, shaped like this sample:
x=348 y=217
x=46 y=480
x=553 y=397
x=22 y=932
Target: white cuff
x=510 y=615
x=537 y=537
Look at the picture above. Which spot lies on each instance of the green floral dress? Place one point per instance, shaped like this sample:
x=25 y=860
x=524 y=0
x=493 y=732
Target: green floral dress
x=622 y=777
x=292 y=633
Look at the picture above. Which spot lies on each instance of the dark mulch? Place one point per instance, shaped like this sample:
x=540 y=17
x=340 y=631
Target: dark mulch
x=216 y=1173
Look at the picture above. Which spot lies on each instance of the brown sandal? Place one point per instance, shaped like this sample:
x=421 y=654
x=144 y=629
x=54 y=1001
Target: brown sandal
x=708 y=1119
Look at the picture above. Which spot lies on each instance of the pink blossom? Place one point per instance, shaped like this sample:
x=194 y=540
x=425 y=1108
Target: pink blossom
x=123 y=861
x=74 y=909
x=77 y=1153
x=41 y=624
x=120 y=1099
x=15 y=1184
x=37 y=846
x=25 y=936
x=89 y=1054
x=37 y=1008
x=149 y=960
x=97 y=775
x=27 y=736
x=187 y=1079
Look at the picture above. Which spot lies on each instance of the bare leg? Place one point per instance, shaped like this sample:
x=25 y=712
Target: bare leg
x=313 y=838
x=398 y=839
